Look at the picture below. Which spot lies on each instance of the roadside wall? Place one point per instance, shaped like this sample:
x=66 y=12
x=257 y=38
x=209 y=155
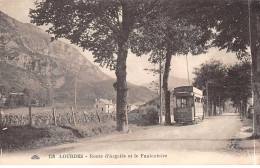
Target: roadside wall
x=63 y=117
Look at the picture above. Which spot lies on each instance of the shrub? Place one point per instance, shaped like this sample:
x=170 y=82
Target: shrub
x=144 y=117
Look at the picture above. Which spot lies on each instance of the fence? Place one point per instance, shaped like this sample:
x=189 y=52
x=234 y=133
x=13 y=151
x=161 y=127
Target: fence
x=54 y=116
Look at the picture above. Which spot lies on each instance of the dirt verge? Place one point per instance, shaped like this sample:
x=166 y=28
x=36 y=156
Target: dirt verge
x=24 y=137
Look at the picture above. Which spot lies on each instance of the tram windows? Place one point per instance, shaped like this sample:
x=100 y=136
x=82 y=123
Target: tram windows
x=184 y=102
x=180 y=102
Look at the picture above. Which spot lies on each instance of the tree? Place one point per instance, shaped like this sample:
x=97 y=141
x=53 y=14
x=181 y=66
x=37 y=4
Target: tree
x=28 y=96
x=237 y=25
x=165 y=34
x=255 y=54
x=238 y=28
x=100 y=26
x=4 y=90
x=213 y=74
x=238 y=82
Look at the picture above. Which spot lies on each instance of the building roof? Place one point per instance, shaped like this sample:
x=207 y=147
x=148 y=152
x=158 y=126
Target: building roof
x=106 y=101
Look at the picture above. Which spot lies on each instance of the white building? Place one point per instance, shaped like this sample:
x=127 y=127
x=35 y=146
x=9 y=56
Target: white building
x=104 y=105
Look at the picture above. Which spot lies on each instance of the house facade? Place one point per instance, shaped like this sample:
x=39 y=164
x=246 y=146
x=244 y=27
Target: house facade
x=104 y=105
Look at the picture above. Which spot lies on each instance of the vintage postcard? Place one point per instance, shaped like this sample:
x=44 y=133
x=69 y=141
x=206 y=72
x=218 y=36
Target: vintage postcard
x=129 y=82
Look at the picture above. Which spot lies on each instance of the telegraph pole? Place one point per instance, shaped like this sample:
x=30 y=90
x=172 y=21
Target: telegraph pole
x=219 y=108
x=187 y=68
x=207 y=89
x=160 y=83
x=75 y=86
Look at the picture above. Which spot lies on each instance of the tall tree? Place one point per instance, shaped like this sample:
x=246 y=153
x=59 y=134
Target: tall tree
x=213 y=74
x=100 y=26
x=166 y=34
x=239 y=28
x=238 y=82
x=254 y=13
x=237 y=25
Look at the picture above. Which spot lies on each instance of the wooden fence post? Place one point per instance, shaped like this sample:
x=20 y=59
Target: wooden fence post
x=73 y=116
x=30 y=116
x=98 y=117
x=54 y=116
x=84 y=112
x=126 y=117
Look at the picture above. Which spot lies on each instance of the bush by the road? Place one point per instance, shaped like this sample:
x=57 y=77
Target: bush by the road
x=144 y=117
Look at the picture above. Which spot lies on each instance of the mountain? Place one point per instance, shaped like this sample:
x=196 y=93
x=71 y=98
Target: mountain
x=29 y=60
x=172 y=81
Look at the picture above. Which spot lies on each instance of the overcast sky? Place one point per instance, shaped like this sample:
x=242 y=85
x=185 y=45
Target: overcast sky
x=19 y=9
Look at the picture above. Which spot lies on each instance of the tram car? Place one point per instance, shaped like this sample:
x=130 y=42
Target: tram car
x=189 y=105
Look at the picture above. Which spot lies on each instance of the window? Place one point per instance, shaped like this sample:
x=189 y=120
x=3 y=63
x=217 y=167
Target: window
x=102 y=108
x=184 y=102
x=107 y=106
x=96 y=106
x=178 y=102
x=181 y=102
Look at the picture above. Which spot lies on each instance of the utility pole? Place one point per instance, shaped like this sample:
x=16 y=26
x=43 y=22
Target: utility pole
x=75 y=88
x=75 y=85
x=126 y=117
x=160 y=83
x=219 y=108
x=50 y=92
x=188 y=69
x=207 y=89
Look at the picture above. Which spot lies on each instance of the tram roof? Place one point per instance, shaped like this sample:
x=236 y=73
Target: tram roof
x=187 y=89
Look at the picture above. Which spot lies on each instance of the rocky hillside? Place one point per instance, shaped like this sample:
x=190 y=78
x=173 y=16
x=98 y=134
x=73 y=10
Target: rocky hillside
x=30 y=60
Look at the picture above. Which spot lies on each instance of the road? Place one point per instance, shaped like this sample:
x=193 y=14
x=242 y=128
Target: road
x=208 y=142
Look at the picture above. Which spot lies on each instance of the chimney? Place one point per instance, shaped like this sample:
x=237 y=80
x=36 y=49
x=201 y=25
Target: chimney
x=95 y=100
x=111 y=101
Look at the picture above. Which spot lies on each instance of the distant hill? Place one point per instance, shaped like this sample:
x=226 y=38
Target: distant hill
x=30 y=60
x=173 y=82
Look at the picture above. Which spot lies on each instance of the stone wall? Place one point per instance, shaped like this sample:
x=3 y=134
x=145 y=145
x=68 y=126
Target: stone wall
x=62 y=118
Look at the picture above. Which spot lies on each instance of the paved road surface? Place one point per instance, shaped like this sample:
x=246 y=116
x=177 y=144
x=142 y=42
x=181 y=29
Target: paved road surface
x=208 y=142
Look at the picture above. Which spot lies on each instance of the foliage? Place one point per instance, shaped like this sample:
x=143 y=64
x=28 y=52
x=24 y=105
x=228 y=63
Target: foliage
x=93 y=25
x=238 y=82
x=213 y=73
x=4 y=90
x=228 y=18
x=15 y=101
x=167 y=33
x=144 y=117
x=233 y=82
x=100 y=26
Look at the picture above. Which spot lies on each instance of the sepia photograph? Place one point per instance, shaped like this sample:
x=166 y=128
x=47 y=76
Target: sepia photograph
x=129 y=82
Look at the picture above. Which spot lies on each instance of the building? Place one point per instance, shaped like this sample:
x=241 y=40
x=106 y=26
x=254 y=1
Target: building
x=131 y=107
x=104 y=105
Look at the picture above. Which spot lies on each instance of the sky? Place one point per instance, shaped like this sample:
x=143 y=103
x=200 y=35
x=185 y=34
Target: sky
x=19 y=9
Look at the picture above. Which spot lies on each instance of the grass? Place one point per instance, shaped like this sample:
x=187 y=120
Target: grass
x=25 y=137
